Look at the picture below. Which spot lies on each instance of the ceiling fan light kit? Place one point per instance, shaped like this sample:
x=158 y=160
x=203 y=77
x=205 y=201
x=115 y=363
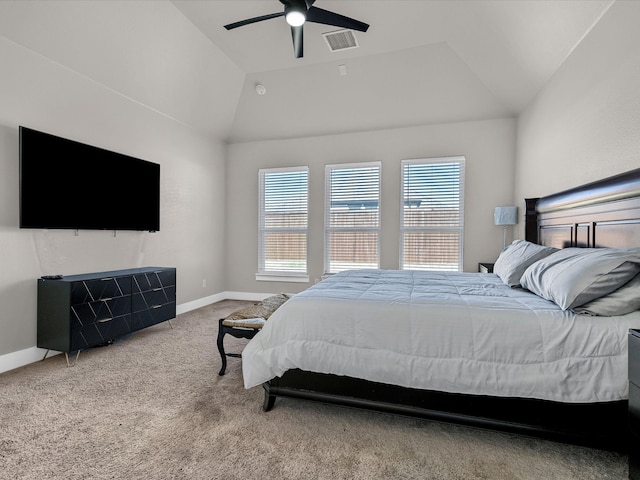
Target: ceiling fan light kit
x=296 y=13
x=295 y=16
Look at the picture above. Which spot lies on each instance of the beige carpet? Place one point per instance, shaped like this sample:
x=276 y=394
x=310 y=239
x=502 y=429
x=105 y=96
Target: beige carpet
x=153 y=407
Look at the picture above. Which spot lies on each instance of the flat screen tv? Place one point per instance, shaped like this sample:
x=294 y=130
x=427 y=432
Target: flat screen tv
x=66 y=184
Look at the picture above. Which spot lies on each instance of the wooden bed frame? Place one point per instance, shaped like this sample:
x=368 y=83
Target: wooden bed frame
x=600 y=214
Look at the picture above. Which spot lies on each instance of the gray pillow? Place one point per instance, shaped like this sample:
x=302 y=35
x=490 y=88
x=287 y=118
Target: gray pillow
x=624 y=300
x=516 y=258
x=574 y=276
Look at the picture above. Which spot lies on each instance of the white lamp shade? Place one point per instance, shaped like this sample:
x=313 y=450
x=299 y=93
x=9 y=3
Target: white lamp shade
x=506 y=215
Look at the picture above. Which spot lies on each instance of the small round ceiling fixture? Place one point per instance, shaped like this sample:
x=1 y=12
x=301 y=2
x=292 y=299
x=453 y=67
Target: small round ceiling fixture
x=261 y=89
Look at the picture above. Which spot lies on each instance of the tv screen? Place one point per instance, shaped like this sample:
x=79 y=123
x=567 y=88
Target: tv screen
x=70 y=185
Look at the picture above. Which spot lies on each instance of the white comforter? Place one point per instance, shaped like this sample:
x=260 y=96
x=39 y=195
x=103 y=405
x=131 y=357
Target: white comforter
x=452 y=332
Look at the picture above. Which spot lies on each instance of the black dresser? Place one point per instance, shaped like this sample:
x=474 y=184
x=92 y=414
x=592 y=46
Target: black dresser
x=81 y=311
x=634 y=404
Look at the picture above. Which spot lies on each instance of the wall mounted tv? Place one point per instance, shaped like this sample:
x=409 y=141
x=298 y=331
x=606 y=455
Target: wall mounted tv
x=69 y=185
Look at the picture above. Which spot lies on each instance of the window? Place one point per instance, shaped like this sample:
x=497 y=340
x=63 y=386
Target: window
x=282 y=228
x=352 y=216
x=432 y=214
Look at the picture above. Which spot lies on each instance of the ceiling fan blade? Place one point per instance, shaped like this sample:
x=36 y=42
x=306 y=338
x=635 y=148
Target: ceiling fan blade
x=318 y=15
x=296 y=36
x=249 y=21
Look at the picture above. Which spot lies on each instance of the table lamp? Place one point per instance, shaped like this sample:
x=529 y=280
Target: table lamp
x=505 y=216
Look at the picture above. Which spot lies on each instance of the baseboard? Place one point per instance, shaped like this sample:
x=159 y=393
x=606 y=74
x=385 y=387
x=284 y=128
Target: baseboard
x=201 y=302
x=13 y=360
x=21 y=358
x=252 y=297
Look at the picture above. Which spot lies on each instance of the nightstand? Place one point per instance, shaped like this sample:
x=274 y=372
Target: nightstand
x=634 y=404
x=484 y=267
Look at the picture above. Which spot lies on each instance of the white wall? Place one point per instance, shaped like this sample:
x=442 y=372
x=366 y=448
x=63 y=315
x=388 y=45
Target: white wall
x=489 y=148
x=45 y=95
x=585 y=124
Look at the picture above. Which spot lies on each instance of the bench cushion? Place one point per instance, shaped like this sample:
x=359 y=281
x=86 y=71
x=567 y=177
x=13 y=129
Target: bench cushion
x=255 y=315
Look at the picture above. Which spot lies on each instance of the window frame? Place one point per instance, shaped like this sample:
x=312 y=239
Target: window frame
x=327 y=212
x=263 y=273
x=459 y=228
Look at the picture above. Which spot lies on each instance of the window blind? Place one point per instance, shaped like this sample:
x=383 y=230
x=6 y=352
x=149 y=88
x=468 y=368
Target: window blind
x=283 y=220
x=352 y=216
x=432 y=214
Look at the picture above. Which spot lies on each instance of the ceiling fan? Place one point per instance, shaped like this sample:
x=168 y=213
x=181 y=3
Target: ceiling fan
x=297 y=12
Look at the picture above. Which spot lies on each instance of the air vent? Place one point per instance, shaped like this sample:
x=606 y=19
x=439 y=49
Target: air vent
x=340 y=40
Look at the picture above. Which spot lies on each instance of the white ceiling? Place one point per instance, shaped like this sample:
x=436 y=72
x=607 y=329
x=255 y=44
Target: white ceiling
x=420 y=62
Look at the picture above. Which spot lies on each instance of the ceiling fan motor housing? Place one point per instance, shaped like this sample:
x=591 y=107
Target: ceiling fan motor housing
x=304 y=4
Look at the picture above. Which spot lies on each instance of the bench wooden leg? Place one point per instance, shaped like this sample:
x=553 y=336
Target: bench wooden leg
x=248 y=333
x=220 y=342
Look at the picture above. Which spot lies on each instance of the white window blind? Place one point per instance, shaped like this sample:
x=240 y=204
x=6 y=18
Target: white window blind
x=283 y=219
x=432 y=214
x=352 y=216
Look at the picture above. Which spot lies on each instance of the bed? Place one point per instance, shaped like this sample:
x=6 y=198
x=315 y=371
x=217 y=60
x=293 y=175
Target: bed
x=479 y=349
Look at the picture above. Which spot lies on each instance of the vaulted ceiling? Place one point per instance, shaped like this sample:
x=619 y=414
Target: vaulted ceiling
x=420 y=62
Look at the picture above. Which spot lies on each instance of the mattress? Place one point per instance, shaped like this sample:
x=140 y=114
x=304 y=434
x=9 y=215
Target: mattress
x=453 y=332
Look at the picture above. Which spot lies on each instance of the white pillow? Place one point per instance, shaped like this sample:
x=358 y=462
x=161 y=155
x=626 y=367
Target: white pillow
x=624 y=300
x=515 y=259
x=574 y=276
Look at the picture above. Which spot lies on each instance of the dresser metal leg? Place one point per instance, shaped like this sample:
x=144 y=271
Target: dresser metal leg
x=74 y=361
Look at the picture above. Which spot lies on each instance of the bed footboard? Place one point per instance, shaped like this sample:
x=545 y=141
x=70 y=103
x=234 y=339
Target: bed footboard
x=601 y=425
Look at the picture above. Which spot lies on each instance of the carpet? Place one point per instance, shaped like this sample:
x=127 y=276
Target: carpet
x=152 y=406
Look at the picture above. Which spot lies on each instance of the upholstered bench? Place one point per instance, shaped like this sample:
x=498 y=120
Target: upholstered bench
x=246 y=323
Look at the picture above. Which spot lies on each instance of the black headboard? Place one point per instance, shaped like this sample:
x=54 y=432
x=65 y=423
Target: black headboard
x=605 y=213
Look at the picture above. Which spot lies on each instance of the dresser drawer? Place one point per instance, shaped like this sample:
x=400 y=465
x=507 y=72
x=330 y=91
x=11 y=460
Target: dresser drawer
x=100 y=289
x=154 y=280
x=153 y=315
x=151 y=299
x=100 y=332
x=88 y=313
